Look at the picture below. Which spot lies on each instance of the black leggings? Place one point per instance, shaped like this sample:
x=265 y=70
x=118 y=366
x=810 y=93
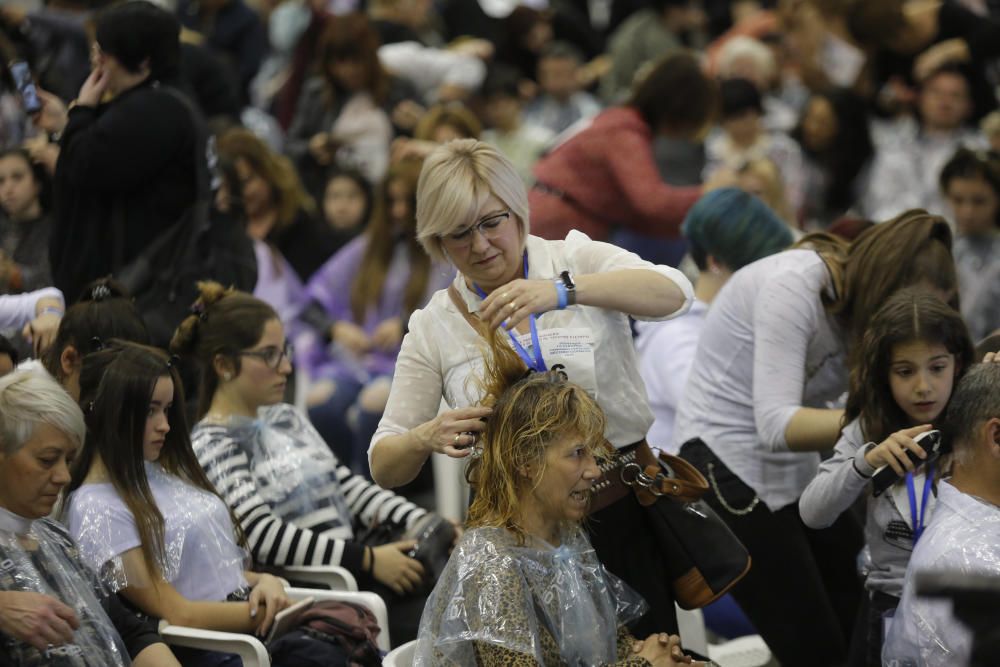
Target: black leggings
x=803 y=591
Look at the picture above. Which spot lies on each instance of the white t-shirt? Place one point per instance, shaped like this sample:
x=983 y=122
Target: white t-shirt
x=666 y=352
x=768 y=348
x=203 y=560
x=443 y=356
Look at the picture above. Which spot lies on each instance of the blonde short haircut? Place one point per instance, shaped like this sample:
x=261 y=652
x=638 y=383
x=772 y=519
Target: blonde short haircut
x=30 y=398
x=457 y=179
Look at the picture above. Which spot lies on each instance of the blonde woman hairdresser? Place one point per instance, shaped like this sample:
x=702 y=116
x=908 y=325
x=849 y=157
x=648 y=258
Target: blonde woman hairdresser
x=565 y=305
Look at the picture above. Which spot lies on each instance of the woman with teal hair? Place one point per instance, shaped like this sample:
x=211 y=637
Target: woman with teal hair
x=726 y=229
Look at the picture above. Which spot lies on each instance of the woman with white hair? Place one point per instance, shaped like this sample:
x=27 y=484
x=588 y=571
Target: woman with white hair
x=53 y=610
x=564 y=305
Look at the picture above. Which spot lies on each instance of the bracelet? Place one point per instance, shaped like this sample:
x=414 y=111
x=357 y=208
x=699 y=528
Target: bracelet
x=561 y=294
x=51 y=309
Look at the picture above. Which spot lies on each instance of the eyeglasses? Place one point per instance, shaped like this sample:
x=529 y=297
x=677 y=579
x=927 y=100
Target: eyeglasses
x=271 y=355
x=489 y=227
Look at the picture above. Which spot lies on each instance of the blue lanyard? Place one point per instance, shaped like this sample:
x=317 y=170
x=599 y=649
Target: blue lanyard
x=917 y=516
x=538 y=363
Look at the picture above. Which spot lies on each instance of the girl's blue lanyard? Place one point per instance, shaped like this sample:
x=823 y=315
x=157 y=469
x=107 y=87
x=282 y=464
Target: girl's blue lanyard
x=538 y=363
x=918 y=513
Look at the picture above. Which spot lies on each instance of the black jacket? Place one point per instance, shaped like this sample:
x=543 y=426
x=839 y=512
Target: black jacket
x=133 y=159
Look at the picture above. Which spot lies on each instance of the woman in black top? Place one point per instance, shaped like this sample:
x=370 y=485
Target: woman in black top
x=124 y=164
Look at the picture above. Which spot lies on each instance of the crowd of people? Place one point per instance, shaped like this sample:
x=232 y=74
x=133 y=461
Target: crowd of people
x=261 y=259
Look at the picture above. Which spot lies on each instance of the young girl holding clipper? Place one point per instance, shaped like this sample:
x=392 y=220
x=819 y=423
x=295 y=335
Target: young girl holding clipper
x=911 y=356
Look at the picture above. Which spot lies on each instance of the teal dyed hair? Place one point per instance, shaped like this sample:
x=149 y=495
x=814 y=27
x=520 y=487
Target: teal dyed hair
x=734 y=227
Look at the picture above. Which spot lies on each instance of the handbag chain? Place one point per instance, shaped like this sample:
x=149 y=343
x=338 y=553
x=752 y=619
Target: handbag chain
x=722 y=501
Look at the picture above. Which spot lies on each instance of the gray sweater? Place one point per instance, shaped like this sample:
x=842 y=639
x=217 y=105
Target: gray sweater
x=836 y=486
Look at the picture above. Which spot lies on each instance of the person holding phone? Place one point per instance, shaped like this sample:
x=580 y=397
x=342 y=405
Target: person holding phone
x=127 y=150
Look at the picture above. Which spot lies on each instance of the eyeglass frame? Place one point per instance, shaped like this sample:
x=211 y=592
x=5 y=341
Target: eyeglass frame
x=479 y=226
x=284 y=352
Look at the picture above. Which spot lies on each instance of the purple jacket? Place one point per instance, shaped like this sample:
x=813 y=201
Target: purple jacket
x=330 y=287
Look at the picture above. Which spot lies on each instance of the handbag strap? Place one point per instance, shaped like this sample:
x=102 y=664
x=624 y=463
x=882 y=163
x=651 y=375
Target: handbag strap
x=472 y=320
x=686 y=484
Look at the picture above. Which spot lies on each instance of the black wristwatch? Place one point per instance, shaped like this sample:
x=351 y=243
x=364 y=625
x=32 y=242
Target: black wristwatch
x=567 y=280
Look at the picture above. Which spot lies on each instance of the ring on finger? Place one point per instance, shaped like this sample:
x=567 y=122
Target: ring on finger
x=512 y=305
x=457 y=437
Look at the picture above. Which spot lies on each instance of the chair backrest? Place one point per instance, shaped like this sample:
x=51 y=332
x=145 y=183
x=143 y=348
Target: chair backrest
x=401 y=656
x=691 y=626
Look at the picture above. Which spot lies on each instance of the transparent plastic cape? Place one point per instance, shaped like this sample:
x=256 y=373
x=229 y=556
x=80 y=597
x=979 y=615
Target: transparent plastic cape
x=963 y=536
x=496 y=592
x=40 y=557
x=202 y=558
x=295 y=470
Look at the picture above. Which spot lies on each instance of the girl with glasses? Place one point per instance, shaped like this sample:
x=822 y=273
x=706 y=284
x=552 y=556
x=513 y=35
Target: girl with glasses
x=562 y=305
x=296 y=503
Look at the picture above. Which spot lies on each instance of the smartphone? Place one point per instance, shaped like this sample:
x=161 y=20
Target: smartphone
x=885 y=476
x=25 y=85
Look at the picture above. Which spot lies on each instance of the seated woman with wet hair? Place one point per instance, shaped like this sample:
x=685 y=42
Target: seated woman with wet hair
x=524 y=585
x=53 y=609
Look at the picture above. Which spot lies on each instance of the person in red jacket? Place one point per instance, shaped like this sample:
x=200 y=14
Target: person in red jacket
x=604 y=176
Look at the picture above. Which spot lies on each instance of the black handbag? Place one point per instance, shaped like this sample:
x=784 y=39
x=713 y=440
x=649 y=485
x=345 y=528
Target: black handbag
x=704 y=559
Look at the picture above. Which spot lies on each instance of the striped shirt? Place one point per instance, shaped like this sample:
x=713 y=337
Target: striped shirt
x=295 y=502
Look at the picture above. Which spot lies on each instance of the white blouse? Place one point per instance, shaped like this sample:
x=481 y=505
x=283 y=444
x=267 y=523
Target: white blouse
x=767 y=349
x=443 y=356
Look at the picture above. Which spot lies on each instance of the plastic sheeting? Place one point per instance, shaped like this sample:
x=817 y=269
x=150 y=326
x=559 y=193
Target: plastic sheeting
x=40 y=557
x=295 y=472
x=202 y=559
x=964 y=537
x=496 y=592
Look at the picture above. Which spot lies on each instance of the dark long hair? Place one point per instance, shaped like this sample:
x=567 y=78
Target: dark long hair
x=225 y=321
x=911 y=314
x=116 y=387
x=912 y=248
x=103 y=311
x=352 y=36
x=367 y=285
x=850 y=149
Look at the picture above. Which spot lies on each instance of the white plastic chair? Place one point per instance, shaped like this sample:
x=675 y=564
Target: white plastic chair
x=749 y=651
x=401 y=656
x=334 y=577
x=250 y=649
x=691 y=628
x=451 y=492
